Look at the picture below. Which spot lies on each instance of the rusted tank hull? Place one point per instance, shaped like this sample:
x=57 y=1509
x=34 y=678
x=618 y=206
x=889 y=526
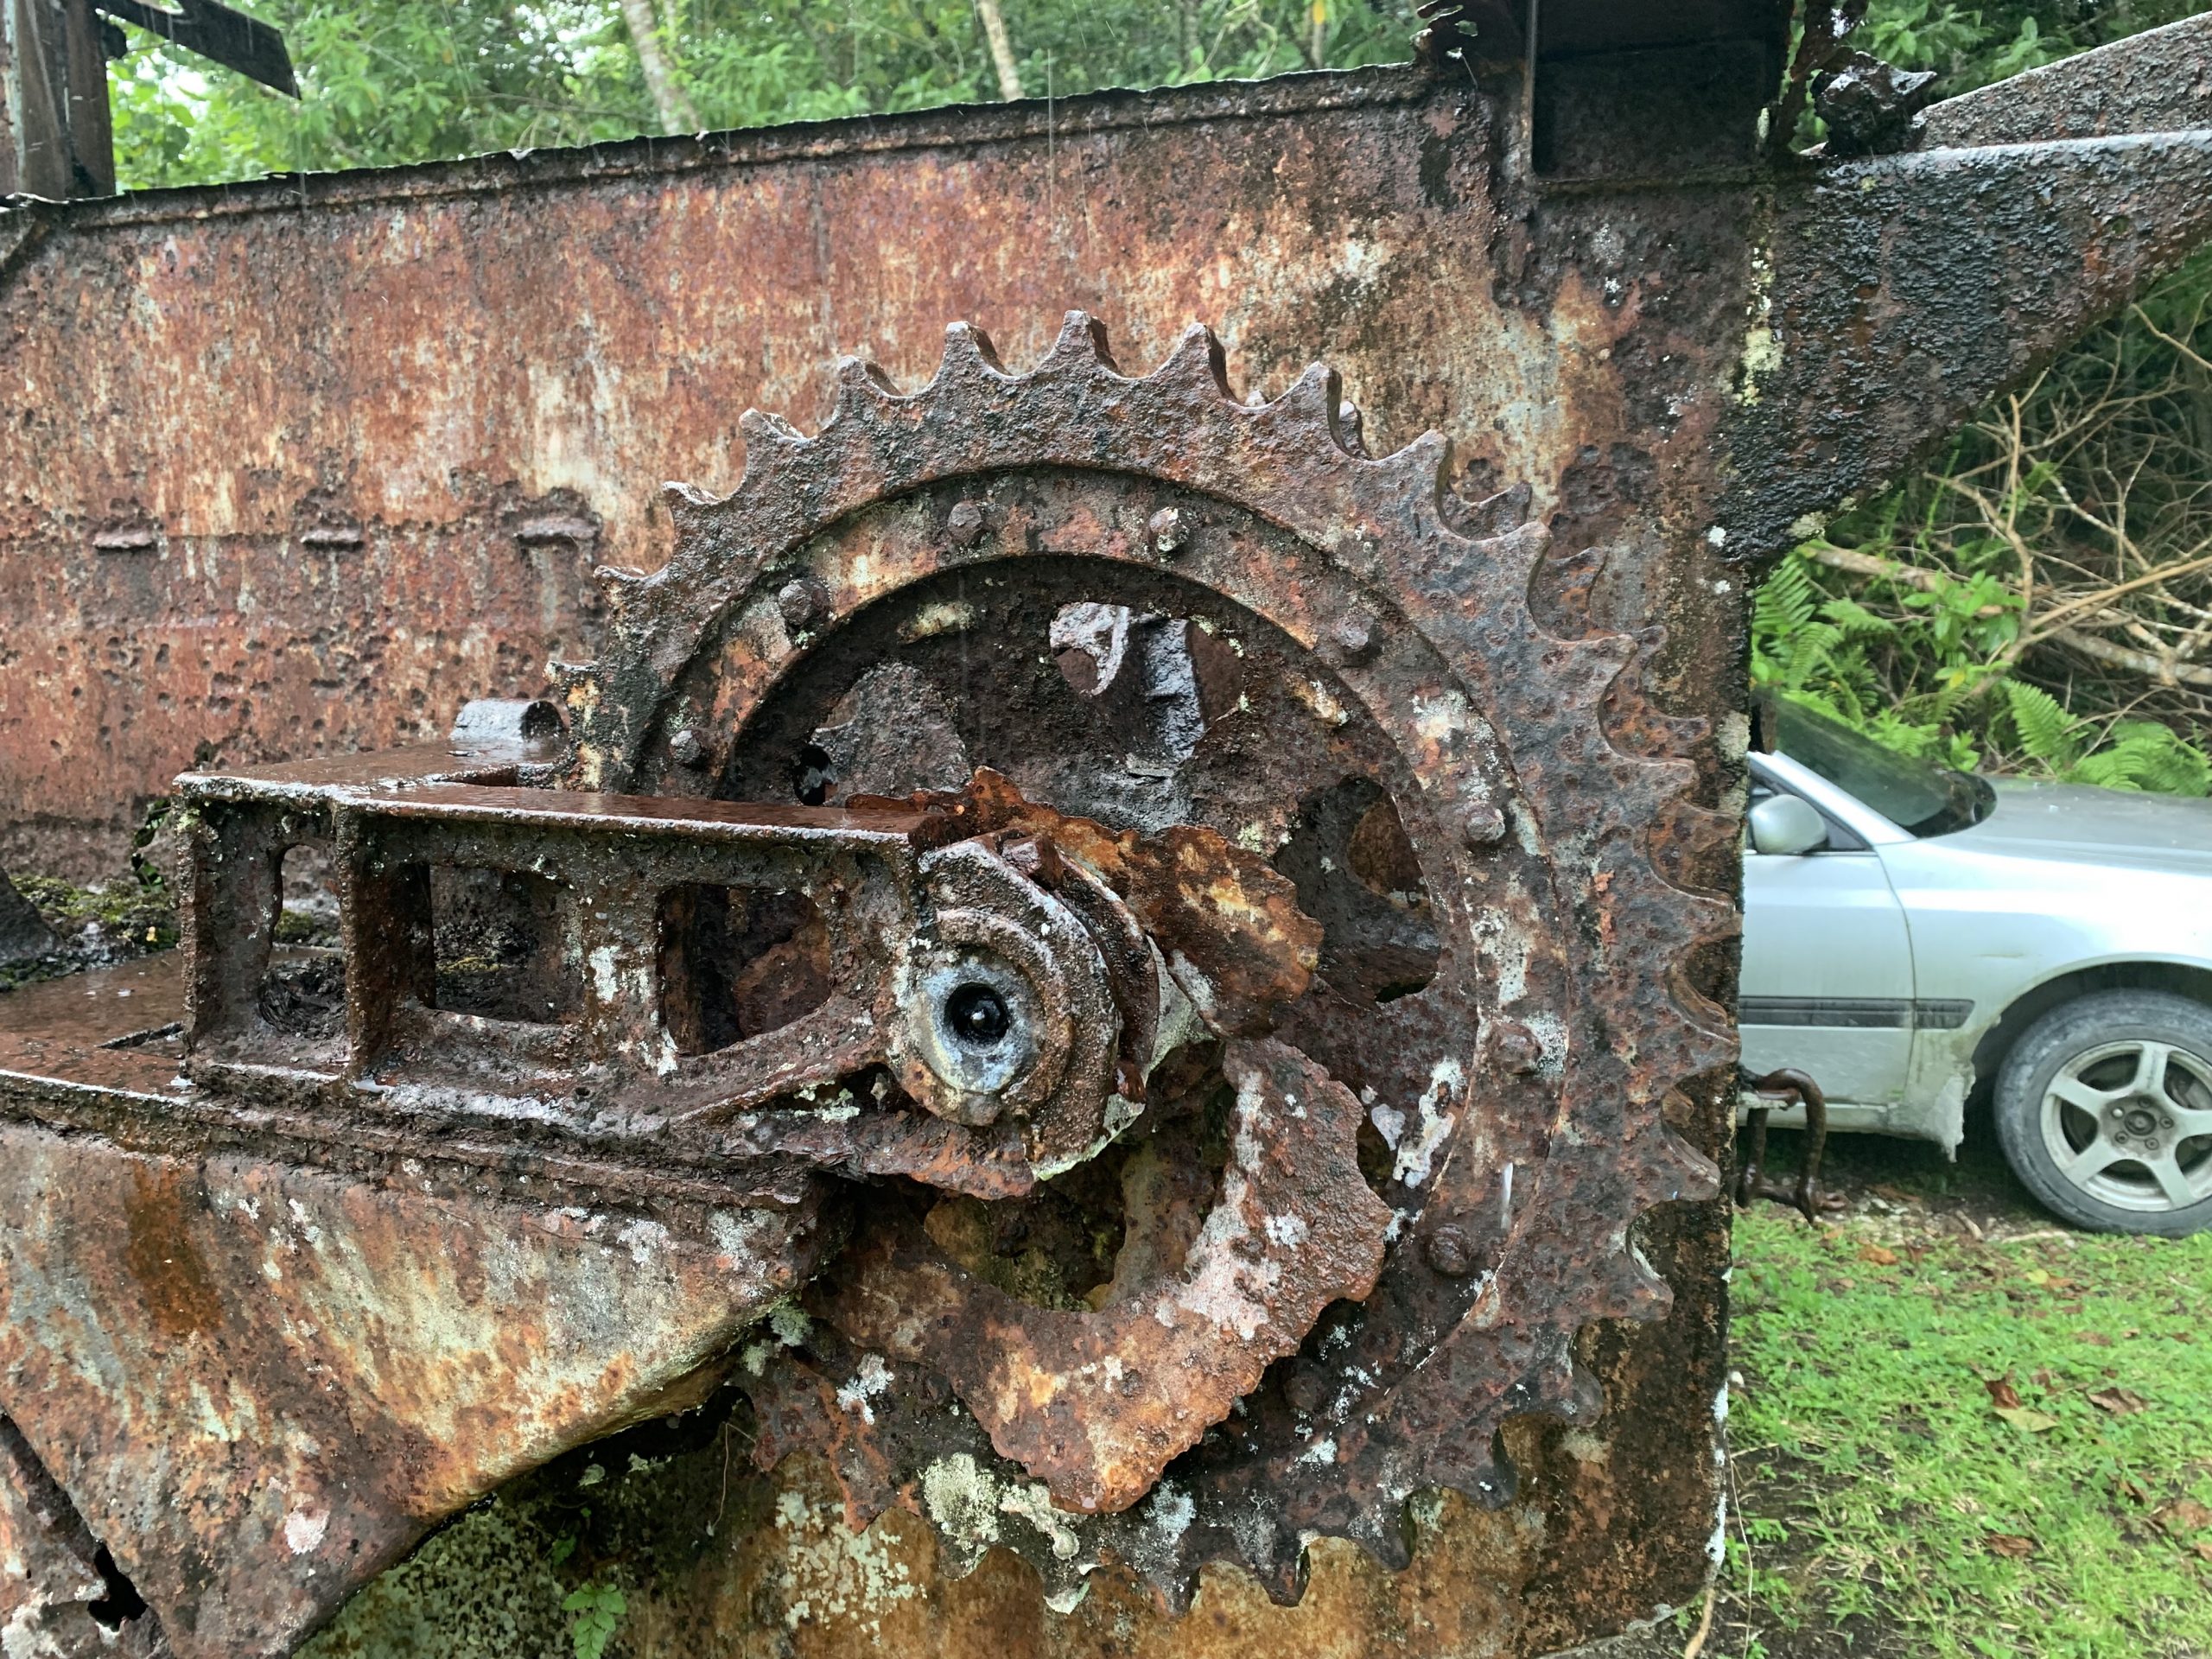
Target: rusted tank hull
x=450 y=397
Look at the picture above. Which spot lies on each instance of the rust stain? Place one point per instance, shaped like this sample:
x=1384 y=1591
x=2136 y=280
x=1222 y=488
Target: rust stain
x=180 y=1295
x=1097 y=1404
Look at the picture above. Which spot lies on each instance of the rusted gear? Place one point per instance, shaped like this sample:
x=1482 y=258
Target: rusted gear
x=1153 y=606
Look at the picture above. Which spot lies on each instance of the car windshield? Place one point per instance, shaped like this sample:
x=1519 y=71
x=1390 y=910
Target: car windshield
x=1914 y=795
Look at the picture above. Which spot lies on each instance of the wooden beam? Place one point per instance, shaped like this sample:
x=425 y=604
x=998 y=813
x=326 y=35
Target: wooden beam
x=55 y=139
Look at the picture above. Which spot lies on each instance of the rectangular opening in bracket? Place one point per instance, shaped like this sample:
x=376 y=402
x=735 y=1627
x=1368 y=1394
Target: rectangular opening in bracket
x=737 y=961
x=1654 y=112
x=502 y=945
x=302 y=989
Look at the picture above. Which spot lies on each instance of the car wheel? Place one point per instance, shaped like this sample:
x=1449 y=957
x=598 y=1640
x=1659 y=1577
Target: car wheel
x=2104 y=1107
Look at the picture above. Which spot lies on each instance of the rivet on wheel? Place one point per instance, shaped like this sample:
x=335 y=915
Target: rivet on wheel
x=1451 y=1252
x=1170 y=531
x=1515 y=1048
x=965 y=524
x=1353 y=636
x=801 y=603
x=1484 y=825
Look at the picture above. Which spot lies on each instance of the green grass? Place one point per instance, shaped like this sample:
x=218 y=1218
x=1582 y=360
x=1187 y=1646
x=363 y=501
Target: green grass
x=1886 y=1501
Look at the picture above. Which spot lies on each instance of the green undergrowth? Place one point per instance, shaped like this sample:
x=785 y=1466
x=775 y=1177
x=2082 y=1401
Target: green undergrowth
x=1969 y=1441
x=140 y=911
x=94 y=925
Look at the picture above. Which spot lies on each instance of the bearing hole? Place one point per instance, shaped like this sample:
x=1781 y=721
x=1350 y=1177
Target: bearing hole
x=977 y=1015
x=813 y=775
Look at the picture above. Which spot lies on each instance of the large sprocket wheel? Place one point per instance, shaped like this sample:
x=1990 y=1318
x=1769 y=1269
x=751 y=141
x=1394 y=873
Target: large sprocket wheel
x=1150 y=604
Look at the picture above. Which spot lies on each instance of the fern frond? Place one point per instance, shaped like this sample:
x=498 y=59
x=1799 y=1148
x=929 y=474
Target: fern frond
x=2048 y=734
x=1853 y=619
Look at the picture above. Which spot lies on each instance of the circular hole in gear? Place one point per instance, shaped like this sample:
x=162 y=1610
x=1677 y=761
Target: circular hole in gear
x=976 y=1015
x=813 y=775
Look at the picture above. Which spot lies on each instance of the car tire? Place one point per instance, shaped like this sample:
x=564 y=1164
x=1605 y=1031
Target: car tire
x=2104 y=1108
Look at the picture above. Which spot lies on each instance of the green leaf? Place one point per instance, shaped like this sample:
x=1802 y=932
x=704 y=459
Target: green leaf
x=598 y=1609
x=2045 y=731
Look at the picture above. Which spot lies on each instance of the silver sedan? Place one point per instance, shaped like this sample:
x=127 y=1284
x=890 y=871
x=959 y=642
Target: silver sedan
x=1908 y=931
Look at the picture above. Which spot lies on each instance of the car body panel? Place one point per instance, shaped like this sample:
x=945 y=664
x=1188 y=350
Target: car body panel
x=1841 y=1011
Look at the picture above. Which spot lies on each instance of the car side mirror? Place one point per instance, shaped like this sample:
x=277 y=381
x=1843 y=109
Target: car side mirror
x=1786 y=826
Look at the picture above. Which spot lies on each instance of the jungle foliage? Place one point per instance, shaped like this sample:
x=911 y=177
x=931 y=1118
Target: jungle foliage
x=389 y=81
x=2038 y=600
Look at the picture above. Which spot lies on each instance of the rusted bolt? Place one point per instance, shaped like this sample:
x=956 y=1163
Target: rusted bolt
x=1515 y=1048
x=1307 y=1389
x=1451 y=1252
x=1483 y=825
x=1353 y=636
x=1170 y=530
x=965 y=524
x=689 y=748
x=801 y=603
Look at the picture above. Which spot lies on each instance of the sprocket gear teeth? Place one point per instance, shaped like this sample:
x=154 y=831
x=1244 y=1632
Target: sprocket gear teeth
x=1611 y=1025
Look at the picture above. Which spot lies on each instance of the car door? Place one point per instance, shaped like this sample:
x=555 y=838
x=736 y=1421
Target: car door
x=1827 y=982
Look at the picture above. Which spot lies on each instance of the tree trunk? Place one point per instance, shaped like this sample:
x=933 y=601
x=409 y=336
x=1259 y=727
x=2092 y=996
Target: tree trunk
x=1001 y=49
x=670 y=104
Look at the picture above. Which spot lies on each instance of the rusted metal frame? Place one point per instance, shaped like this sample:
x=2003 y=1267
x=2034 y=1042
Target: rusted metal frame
x=2159 y=80
x=1905 y=290
x=899 y=890
x=955 y=127
x=56 y=141
x=216 y=32
x=613 y=857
